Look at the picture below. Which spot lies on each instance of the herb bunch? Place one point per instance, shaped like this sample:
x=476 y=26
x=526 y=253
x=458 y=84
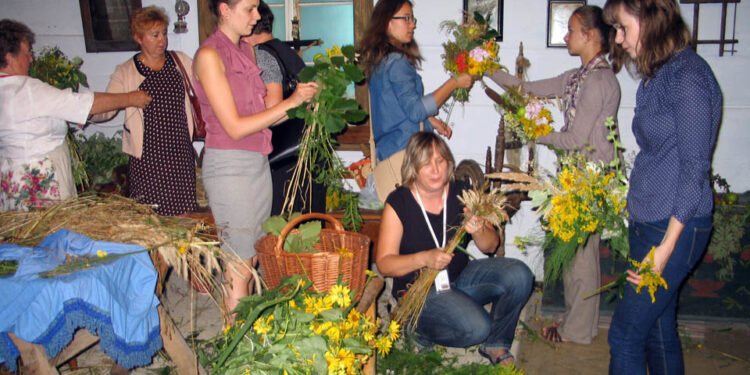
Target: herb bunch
x=327 y=114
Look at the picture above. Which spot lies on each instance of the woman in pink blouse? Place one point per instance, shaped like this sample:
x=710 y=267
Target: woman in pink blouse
x=236 y=173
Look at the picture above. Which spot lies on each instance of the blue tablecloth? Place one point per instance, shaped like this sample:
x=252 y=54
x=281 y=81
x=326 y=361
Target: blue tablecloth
x=113 y=300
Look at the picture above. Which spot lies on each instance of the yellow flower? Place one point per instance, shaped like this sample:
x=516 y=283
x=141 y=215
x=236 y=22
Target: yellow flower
x=340 y=361
x=101 y=253
x=649 y=278
x=339 y=294
x=344 y=252
x=262 y=326
x=335 y=51
x=227 y=328
x=182 y=249
x=394 y=330
x=383 y=345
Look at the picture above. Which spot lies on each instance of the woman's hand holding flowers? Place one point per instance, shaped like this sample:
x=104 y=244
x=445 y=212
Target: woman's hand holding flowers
x=464 y=80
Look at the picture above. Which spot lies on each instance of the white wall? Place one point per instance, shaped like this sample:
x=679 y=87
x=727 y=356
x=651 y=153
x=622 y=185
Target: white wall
x=59 y=23
x=475 y=124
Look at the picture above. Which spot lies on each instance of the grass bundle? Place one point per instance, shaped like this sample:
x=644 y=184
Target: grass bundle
x=183 y=243
x=489 y=206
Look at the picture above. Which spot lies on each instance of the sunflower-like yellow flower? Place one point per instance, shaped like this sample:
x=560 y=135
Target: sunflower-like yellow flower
x=649 y=278
x=340 y=361
x=340 y=295
x=101 y=253
x=344 y=252
x=383 y=345
x=334 y=51
x=394 y=330
x=263 y=326
x=314 y=305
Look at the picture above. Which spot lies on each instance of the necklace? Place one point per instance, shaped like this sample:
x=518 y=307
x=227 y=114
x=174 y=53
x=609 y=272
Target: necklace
x=427 y=219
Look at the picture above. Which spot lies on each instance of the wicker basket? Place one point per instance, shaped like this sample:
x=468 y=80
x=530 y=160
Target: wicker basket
x=325 y=265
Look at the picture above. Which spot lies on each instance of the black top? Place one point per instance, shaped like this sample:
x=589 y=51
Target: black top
x=417 y=236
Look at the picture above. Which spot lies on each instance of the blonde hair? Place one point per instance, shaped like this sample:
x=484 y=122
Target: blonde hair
x=418 y=154
x=145 y=18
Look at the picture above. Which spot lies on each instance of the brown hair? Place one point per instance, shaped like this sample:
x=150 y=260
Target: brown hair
x=12 y=34
x=375 y=45
x=663 y=33
x=419 y=153
x=591 y=18
x=214 y=6
x=145 y=18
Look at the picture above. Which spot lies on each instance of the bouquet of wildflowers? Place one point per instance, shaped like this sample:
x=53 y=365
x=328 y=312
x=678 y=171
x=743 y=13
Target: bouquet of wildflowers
x=584 y=198
x=293 y=330
x=525 y=115
x=472 y=50
x=53 y=67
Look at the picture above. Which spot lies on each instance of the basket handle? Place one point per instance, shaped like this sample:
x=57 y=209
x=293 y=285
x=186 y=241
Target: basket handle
x=292 y=224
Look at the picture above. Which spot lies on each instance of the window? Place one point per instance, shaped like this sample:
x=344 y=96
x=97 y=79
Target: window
x=316 y=18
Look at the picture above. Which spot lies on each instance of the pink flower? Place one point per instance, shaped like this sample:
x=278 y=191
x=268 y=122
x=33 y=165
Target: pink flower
x=479 y=54
x=533 y=109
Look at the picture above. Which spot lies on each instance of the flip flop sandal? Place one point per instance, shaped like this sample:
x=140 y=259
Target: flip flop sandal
x=499 y=359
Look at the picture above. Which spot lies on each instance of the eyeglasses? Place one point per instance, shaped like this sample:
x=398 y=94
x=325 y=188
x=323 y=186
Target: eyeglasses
x=407 y=19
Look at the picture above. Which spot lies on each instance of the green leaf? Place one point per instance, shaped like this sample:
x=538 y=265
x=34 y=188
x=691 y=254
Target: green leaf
x=356 y=116
x=538 y=197
x=354 y=73
x=338 y=60
x=348 y=51
x=273 y=225
x=332 y=314
x=335 y=125
x=307 y=74
x=346 y=105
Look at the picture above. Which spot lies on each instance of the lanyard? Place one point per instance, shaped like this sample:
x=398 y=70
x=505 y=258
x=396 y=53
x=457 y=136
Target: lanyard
x=427 y=219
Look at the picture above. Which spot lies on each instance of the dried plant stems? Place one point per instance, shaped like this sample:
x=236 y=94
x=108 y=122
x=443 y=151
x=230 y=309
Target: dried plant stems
x=302 y=170
x=410 y=306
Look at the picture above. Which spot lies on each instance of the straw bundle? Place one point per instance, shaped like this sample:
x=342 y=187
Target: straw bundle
x=520 y=181
x=183 y=242
x=489 y=206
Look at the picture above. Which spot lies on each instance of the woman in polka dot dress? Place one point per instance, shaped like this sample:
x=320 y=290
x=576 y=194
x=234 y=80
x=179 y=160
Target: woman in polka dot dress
x=157 y=138
x=677 y=115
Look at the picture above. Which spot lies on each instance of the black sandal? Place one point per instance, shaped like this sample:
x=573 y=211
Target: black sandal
x=499 y=359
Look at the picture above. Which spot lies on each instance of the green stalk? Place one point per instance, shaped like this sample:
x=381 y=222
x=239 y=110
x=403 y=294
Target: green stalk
x=76 y=266
x=254 y=314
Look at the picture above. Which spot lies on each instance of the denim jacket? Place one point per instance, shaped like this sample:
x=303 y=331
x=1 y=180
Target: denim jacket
x=398 y=104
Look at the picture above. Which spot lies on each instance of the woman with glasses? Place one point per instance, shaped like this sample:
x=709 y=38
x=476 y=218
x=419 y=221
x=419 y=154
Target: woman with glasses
x=391 y=58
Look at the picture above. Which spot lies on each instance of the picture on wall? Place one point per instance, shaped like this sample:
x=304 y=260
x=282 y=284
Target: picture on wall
x=558 y=13
x=495 y=7
x=106 y=24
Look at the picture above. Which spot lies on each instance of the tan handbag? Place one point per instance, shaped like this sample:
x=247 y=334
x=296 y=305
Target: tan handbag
x=387 y=173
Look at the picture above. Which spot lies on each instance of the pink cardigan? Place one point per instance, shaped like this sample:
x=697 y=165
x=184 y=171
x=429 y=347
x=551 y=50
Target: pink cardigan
x=125 y=79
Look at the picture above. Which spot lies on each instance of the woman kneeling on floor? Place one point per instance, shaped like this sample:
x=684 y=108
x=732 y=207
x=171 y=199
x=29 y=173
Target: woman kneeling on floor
x=428 y=204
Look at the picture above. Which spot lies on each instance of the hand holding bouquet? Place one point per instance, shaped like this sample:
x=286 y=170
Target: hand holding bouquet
x=473 y=50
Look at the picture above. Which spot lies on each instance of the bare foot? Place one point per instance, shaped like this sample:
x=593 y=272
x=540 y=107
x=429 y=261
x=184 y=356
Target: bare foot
x=552 y=335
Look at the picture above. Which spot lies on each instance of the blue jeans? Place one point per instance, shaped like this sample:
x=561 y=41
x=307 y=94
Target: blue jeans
x=457 y=317
x=642 y=332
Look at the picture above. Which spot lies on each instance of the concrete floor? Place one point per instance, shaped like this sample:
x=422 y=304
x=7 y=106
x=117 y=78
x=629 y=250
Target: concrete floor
x=710 y=347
